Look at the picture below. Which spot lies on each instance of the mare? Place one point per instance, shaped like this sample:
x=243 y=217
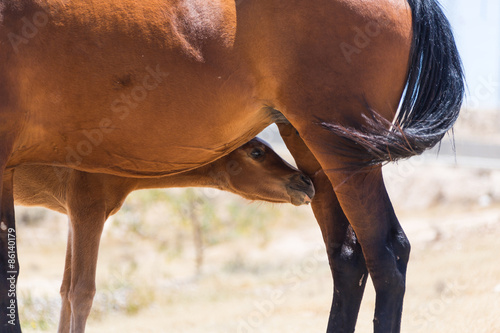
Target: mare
x=158 y=87
x=253 y=171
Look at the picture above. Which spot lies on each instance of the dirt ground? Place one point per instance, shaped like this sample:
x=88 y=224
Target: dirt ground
x=274 y=276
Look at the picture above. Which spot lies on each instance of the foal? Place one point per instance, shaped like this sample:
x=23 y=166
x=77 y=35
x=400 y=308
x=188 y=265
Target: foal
x=253 y=171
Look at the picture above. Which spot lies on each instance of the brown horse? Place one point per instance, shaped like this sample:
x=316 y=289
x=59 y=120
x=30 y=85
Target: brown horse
x=158 y=87
x=253 y=171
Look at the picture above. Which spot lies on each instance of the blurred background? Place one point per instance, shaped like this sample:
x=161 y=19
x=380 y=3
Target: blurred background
x=198 y=260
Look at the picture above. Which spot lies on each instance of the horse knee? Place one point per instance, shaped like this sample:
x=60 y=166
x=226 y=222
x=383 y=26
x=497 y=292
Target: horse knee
x=81 y=297
x=64 y=292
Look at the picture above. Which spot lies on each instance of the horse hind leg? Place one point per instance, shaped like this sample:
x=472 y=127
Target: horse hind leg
x=366 y=204
x=347 y=262
x=345 y=255
x=401 y=248
x=364 y=200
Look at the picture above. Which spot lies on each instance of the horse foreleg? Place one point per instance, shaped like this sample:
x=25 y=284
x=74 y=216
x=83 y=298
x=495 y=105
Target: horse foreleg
x=87 y=234
x=344 y=252
x=9 y=265
x=65 y=317
x=86 y=210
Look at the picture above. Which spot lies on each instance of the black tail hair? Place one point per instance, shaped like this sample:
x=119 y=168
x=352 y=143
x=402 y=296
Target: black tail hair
x=431 y=101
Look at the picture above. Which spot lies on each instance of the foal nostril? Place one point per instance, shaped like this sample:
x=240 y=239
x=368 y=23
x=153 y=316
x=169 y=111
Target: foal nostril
x=306 y=179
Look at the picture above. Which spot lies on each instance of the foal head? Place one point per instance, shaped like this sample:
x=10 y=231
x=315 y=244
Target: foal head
x=256 y=172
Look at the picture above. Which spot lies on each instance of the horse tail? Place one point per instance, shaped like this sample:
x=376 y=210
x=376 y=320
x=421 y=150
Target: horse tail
x=431 y=101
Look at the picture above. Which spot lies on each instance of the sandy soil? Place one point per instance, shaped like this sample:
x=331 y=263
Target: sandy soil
x=453 y=286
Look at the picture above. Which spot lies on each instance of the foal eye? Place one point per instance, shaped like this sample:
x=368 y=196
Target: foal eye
x=257 y=153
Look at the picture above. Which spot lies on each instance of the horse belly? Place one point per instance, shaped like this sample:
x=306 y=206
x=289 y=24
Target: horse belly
x=137 y=131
